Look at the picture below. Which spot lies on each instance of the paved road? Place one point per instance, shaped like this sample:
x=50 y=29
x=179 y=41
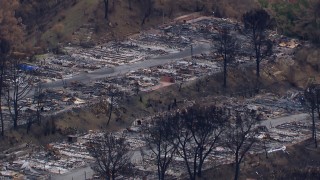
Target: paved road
x=119 y=70
x=270 y=123
x=77 y=174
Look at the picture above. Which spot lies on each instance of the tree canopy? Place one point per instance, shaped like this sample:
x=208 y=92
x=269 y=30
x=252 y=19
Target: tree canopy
x=11 y=28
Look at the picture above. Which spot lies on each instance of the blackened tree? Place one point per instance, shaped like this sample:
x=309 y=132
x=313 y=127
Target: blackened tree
x=197 y=132
x=312 y=103
x=159 y=138
x=241 y=136
x=11 y=37
x=19 y=86
x=129 y=4
x=146 y=9
x=39 y=98
x=258 y=21
x=112 y=93
x=111 y=154
x=226 y=48
x=106 y=8
x=4 y=52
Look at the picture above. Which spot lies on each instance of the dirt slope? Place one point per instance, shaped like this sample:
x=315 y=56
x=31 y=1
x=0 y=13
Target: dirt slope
x=53 y=21
x=83 y=20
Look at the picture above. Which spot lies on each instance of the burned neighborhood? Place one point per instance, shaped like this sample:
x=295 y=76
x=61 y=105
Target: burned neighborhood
x=198 y=95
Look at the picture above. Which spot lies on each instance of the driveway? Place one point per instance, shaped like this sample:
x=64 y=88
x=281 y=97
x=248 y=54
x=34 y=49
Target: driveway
x=77 y=174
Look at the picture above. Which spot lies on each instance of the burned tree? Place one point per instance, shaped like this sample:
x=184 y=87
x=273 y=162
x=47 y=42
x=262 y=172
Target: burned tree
x=111 y=155
x=29 y=117
x=197 y=131
x=4 y=51
x=129 y=4
x=258 y=21
x=312 y=97
x=226 y=49
x=136 y=87
x=241 y=136
x=146 y=9
x=112 y=92
x=11 y=38
x=19 y=86
x=159 y=140
x=106 y=8
x=39 y=97
x=50 y=127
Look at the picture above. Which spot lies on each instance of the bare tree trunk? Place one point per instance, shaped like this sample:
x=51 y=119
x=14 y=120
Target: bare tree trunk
x=17 y=91
x=163 y=172
x=4 y=50
x=38 y=100
x=29 y=123
x=146 y=9
x=129 y=2
x=38 y=117
x=111 y=155
x=226 y=49
x=265 y=149
x=185 y=157
x=201 y=158
x=237 y=170
x=258 y=21
x=315 y=138
x=313 y=124
x=257 y=49
x=241 y=138
x=113 y=175
x=258 y=68
x=16 y=114
x=199 y=174
x=106 y=8
x=1 y=90
x=314 y=130
x=108 y=176
x=318 y=111
x=144 y=19
x=158 y=164
x=237 y=164
x=110 y=110
x=195 y=166
x=1 y=116
x=225 y=71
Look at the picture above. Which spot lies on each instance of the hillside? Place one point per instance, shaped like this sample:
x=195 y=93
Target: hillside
x=299 y=18
x=75 y=21
x=83 y=20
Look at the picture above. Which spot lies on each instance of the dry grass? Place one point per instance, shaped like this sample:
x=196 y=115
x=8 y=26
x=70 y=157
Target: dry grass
x=279 y=165
x=123 y=22
x=71 y=19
